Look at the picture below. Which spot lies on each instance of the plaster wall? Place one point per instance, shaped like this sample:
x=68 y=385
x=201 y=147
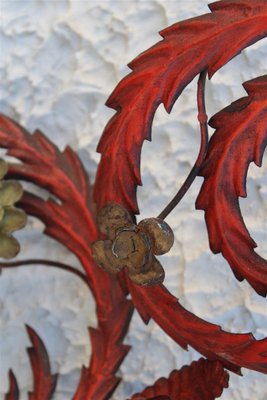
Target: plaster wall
x=60 y=60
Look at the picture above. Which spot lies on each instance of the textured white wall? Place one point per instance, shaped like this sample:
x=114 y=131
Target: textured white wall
x=60 y=59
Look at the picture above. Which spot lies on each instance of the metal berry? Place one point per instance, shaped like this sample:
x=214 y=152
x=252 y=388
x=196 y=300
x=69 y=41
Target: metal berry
x=132 y=246
x=11 y=218
x=160 y=234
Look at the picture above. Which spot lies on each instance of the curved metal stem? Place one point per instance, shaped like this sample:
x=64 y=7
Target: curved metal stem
x=56 y=264
x=202 y=117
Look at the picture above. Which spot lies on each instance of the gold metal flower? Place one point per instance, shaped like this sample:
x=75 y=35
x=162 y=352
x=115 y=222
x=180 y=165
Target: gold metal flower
x=132 y=246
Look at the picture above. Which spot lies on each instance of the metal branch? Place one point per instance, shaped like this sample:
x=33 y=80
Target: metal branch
x=202 y=117
x=56 y=264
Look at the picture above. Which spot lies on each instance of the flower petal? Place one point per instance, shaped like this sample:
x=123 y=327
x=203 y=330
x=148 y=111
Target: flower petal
x=111 y=218
x=102 y=254
x=153 y=275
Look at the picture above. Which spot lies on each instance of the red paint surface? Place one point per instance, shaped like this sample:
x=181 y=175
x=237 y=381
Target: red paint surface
x=158 y=75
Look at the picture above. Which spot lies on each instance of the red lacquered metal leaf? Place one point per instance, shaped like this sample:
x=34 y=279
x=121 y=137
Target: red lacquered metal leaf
x=239 y=139
x=202 y=380
x=100 y=365
x=70 y=221
x=159 y=76
x=44 y=381
x=232 y=349
x=13 y=393
x=59 y=172
x=113 y=310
